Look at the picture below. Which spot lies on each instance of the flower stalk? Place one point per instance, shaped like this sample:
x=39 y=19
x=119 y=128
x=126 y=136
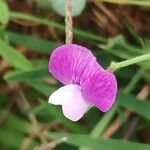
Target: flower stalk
x=117 y=65
x=68 y=22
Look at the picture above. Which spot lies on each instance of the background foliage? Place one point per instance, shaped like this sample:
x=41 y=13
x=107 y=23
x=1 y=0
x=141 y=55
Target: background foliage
x=113 y=30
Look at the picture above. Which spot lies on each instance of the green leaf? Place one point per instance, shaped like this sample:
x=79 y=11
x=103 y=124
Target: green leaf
x=41 y=87
x=132 y=103
x=15 y=58
x=119 y=44
x=11 y=137
x=147 y=76
x=13 y=130
x=40 y=62
x=120 y=48
x=134 y=80
x=78 y=32
x=38 y=72
x=103 y=123
x=56 y=113
x=77 y=6
x=35 y=44
x=4 y=13
x=45 y=5
x=17 y=123
x=97 y=143
x=135 y=35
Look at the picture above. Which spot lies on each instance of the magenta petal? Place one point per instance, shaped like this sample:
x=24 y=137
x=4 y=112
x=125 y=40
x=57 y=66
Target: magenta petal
x=100 y=90
x=72 y=63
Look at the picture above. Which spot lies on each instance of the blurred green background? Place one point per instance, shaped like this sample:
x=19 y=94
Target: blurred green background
x=114 y=30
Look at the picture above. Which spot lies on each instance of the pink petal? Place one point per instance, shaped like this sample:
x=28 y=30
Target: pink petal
x=73 y=104
x=72 y=63
x=100 y=90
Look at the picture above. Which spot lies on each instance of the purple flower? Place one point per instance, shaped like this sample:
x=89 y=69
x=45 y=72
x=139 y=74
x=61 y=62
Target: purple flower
x=86 y=82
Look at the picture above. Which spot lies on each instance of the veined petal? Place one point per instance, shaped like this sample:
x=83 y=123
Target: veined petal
x=73 y=104
x=72 y=64
x=100 y=90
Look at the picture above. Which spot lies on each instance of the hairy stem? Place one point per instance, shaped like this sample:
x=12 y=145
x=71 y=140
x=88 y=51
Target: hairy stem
x=114 y=65
x=68 y=22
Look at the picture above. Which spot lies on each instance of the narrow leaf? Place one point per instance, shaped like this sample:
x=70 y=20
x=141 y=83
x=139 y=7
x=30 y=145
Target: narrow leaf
x=15 y=58
x=97 y=143
x=36 y=44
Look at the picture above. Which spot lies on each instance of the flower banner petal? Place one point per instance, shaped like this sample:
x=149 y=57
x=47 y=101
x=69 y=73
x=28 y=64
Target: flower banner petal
x=71 y=63
x=100 y=89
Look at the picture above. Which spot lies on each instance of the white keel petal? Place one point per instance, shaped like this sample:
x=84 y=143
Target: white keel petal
x=73 y=104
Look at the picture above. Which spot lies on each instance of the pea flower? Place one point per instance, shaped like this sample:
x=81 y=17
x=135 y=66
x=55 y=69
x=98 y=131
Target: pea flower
x=86 y=83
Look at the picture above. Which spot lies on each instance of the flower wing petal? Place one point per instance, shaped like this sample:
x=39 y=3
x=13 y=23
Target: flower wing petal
x=70 y=97
x=62 y=95
x=100 y=89
x=71 y=63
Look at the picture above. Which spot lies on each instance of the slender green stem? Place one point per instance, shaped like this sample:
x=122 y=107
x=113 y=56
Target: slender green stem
x=23 y=16
x=131 y=2
x=61 y=27
x=134 y=80
x=114 y=66
x=101 y=125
